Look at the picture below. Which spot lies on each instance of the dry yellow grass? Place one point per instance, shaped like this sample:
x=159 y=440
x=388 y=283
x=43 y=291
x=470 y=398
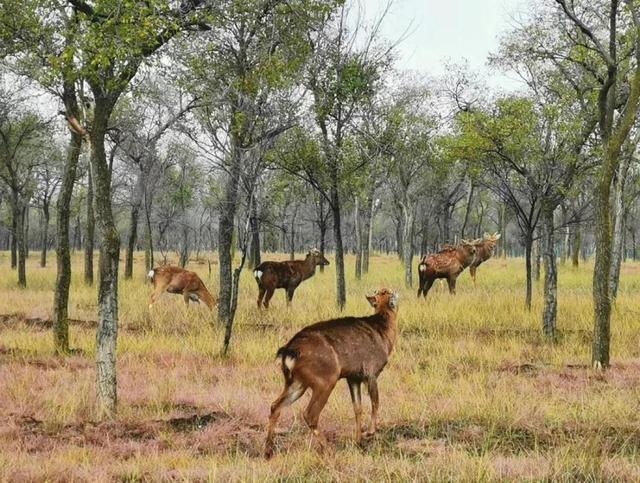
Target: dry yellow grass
x=472 y=391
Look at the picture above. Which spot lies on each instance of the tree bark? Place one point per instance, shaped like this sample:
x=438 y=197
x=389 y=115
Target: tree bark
x=91 y=228
x=63 y=208
x=407 y=244
x=254 y=226
x=148 y=239
x=550 y=310
x=467 y=210
x=14 y=243
x=577 y=245
x=45 y=234
x=528 y=245
x=225 y=235
x=536 y=256
x=368 y=230
x=107 y=334
x=358 y=234
x=21 y=243
x=618 y=227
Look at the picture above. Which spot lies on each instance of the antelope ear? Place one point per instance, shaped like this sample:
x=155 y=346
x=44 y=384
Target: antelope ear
x=497 y=236
x=372 y=300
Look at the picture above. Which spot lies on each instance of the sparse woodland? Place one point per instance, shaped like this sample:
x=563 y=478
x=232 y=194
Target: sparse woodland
x=218 y=135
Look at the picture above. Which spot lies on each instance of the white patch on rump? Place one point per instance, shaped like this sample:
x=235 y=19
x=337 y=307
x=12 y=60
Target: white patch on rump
x=150 y=274
x=289 y=362
x=422 y=267
x=257 y=274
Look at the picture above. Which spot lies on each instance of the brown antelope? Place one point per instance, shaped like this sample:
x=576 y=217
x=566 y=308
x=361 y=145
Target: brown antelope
x=287 y=275
x=351 y=348
x=447 y=263
x=179 y=281
x=484 y=251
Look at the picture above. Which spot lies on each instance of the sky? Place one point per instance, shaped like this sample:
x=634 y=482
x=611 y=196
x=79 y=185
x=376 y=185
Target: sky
x=447 y=30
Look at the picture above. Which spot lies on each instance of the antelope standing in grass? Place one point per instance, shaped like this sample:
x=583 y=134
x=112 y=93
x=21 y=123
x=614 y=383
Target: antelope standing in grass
x=287 y=275
x=179 y=281
x=448 y=263
x=484 y=251
x=351 y=348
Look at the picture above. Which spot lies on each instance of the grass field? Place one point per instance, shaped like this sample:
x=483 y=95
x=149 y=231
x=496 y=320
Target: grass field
x=472 y=391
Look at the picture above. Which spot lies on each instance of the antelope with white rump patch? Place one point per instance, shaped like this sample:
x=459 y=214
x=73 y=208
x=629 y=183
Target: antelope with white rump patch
x=179 y=281
x=287 y=275
x=351 y=348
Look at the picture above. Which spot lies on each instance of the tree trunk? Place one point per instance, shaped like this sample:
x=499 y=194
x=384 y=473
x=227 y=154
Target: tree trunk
x=254 y=227
x=528 y=245
x=341 y=288
x=368 y=230
x=21 y=211
x=618 y=228
x=133 y=223
x=550 y=310
x=577 y=244
x=407 y=244
x=107 y=334
x=14 y=239
x=467 y=210
x=184 y=246
x=225 y=235
x=45 y=234
x=292 y=238
x=63 y=255
x=25 y=219
x=536 y=255
x=358 y=234
x=148 y=239
x=91 y=228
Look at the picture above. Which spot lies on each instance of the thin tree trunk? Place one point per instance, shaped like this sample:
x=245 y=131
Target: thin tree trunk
x=45 y=234
x=91 y=228
x=341 y=288
x=528 y=245
x=550 y=310
x=358 y=234
x=292 y=238
x=618 y=228
x=107 y=334
x=14 y=238
x=133 y=223
x=577 y=244
x=225 y=236
x=368 y=230
x=254 y=227
x=148 y=240
x=407 y=244
x=467 y=209
x=184 y=246
x=21 y=244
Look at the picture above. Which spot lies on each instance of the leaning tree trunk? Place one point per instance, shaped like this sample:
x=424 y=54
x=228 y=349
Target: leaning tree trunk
x=133 y=224
x=550 y=310
x=91 y=228
x=45 y=234
x=63 y=208
x=467 y=210
x=107 y=334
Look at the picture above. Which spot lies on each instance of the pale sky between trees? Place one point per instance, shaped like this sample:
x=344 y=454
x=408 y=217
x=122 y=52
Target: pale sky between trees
x=448 y=30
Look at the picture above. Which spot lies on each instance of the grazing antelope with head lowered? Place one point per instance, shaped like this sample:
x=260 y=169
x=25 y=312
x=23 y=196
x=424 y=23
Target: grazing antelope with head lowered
x=351 y=348
x=287 y=275
x=179 y=281
x=484 y=251
x=447 y=263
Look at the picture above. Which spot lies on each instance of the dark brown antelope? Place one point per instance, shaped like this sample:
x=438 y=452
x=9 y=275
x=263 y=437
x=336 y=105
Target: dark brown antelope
x=287 y=275
x=448 y=263
x=179 y=281
x=351 y=348
x=484 y=251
